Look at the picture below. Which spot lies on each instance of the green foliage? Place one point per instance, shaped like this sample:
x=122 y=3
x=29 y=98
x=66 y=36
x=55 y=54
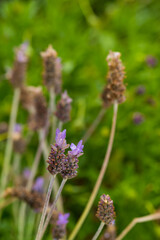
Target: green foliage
x=83 y=32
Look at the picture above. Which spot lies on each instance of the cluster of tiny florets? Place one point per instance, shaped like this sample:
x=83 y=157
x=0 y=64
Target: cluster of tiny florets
x=52 y=69
x=115 y=88
x=64 y=108
x=17 y=74
x=33 y=100
x=105 y=211
x=59 y=161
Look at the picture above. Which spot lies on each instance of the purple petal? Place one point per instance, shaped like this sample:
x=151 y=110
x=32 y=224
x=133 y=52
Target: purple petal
x=38 y=185
x=26 y=173
x=63 y=218
x=76 y=150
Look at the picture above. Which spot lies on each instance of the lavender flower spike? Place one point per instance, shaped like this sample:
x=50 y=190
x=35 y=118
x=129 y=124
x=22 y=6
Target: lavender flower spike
x=60 y=139
x=76 y=150
x=63 y=219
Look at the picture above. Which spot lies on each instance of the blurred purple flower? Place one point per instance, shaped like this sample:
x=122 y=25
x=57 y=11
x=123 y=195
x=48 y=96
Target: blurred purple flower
x=63 y=219
x=17 y=128
x=26 y=173
x=60 y=139
x=151 y=61
x=140 y=90
x=76 y=150
x=21 y=52
x=38 y=185
x=138 y=118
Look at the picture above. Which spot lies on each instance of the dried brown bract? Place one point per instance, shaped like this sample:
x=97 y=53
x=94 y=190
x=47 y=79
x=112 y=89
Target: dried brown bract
x=33 y=100
x=64 y=108
x=115 y=88
x=52 y=69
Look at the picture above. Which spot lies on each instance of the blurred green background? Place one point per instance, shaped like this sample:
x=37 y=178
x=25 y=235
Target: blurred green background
x=83 y=32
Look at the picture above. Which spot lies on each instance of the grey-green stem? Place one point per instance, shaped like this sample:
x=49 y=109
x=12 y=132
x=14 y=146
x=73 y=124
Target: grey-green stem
x=45 y=207
x=98 y=231
x=52 y=208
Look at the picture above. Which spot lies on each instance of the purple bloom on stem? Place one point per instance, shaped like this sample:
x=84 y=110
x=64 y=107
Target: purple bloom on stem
x=17 y=128
x=38 y=185
x=76 y=150
x=140 y=90
x=26 y=173
x=151 y=61
x=138 y=118
x=63 y=219
x=60 y=139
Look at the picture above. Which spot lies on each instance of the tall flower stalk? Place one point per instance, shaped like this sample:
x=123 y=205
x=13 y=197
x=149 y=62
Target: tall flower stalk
x=66 y=165
x=105 y=213
x=16 y=77
x=113 y=94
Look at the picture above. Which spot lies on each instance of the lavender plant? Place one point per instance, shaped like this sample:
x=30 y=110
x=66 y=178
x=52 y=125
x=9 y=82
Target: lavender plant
x=63 y=158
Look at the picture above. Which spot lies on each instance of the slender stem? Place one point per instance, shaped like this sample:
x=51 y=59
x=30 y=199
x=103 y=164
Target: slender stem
x=100 y=177
x=52 y=207
x=16 y=163
x=21 y=221
x=60 y=125
x=45 y=207
x=98 y=231
x=30 y=181
x=37 y=158
x=94 y=125
x=147 y=218
x=9 y=144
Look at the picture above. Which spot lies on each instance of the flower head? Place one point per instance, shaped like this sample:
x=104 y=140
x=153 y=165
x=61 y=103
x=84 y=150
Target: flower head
x=115 y=88
x=63 y=219
x=70 y=166
x=64 y=108
x=105 y=211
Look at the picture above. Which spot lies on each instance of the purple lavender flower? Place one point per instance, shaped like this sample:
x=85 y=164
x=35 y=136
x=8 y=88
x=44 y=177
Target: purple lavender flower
x=26 y=173
x=60 y=139
x=151 y=61
x=63 y=219
x=76 y=150
x=140 y=90
x=38 y=185
x=138 y=118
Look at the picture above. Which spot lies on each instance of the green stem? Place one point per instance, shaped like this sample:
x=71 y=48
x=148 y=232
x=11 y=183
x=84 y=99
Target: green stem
x=9 y=144
x=99 y=179
x=52 y=208
x=98 y=231
x=45 y=207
